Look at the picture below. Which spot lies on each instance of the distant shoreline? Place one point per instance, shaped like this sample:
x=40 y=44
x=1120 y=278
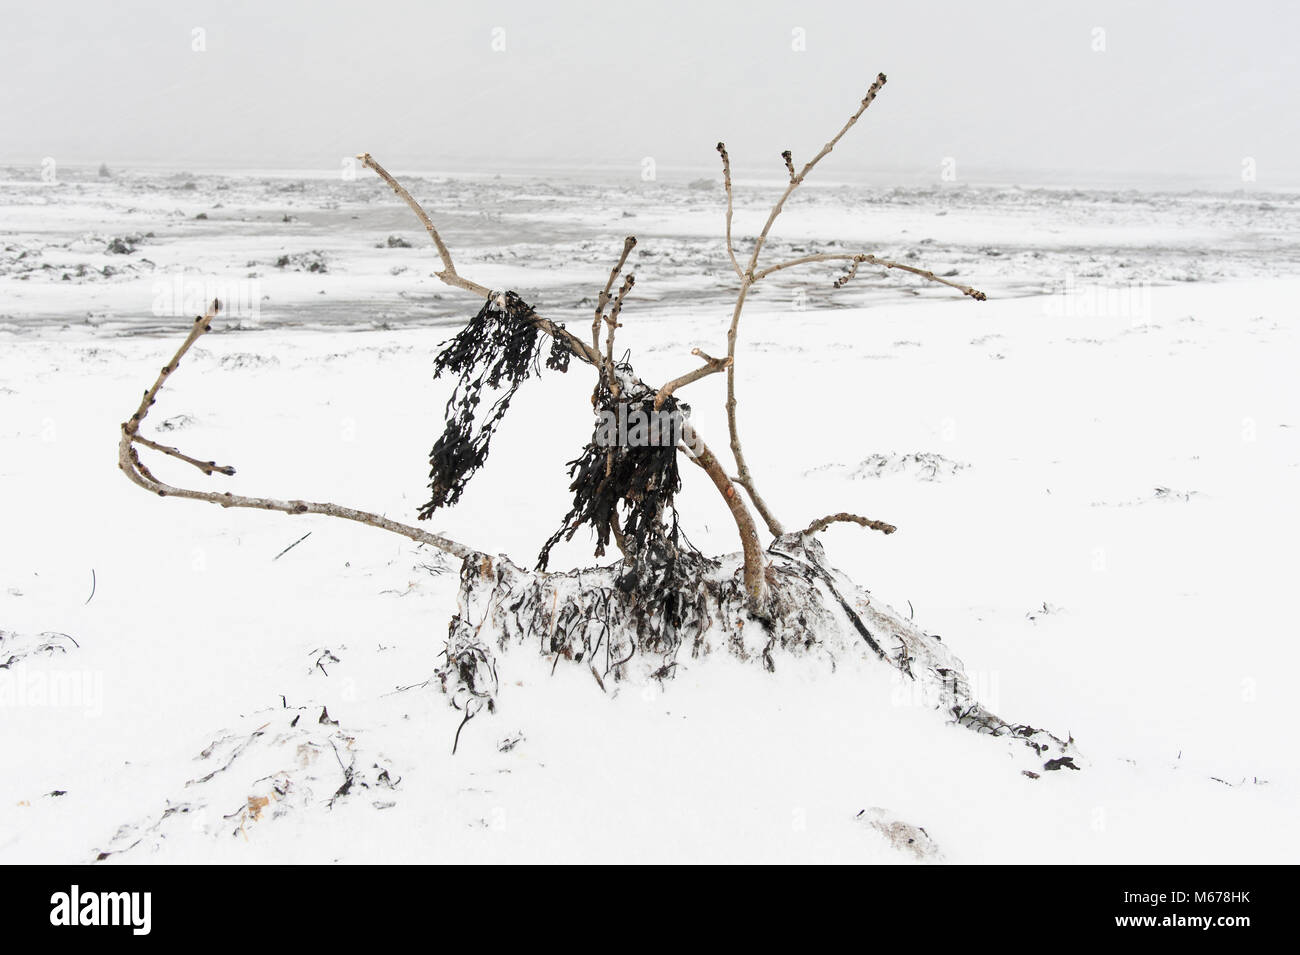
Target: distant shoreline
x=603 y=173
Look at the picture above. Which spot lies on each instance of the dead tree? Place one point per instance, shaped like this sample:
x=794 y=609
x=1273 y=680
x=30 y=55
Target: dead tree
x=633 y=617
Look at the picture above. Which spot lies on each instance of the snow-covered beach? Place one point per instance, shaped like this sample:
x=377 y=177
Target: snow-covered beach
x=1092 y=474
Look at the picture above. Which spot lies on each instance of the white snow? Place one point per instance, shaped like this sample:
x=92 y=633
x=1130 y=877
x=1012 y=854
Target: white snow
x=1154 y=626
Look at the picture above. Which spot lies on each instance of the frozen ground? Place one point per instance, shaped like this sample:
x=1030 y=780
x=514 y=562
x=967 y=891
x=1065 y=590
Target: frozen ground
x=1094 y=490
x=124 y=251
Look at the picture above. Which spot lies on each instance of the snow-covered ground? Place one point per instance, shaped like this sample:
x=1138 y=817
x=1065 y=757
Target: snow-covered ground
x=1092 y=474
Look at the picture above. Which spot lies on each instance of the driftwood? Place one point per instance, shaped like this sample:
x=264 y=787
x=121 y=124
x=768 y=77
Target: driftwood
x=632 y=618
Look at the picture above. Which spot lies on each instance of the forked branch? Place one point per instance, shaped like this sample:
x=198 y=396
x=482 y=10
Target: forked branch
x=128 y=459
x=612 y=321
x=796 y=179
x=857 y=258
x=751 y=275
x=602 y=302
x=711 y=367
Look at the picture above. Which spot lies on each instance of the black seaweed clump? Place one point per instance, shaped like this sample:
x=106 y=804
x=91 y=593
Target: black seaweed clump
x=640 y=475
x=659 y=583
x=498 y=348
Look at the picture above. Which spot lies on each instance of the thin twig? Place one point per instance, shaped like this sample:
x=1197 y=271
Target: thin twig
x=748 y=278
x=796 y=180
x=612 y=321
x=603 y=299
x=856 y=258
x=449 y=275
x=714 y=366
x=612 y=318
x=291 y=547
x=207 y=467
x=456 y=742
x=726 y=183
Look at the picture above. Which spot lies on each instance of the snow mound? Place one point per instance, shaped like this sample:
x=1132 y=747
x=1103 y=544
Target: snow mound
x=619 y=628
x=900 y=835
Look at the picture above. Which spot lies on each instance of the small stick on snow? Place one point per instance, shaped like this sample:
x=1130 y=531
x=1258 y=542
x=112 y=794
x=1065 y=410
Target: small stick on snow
x=291 y=546
x=846 y=518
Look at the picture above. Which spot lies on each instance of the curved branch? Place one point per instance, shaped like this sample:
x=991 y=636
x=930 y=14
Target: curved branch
x=846 y=518
x=755 y=567
x=449 y=275
x=129 y=461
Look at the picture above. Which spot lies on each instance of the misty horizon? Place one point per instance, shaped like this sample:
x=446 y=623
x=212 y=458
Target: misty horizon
x=1104 y=95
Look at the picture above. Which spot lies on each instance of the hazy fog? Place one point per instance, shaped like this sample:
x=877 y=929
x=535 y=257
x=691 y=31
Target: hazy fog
x=1005 y=89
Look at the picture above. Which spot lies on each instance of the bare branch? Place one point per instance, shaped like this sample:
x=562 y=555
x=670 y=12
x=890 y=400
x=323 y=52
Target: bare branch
x=755 y=565
x=857 y=258
x=714 y=366
x=845 y=518
x=612 y=321
x=796 y=180
x=774 y=526
x=748 y=278
x=623 y=289
x=449 y=275
x=207 y=467
x=603 y=299
x=129 y=461
x=726 y=182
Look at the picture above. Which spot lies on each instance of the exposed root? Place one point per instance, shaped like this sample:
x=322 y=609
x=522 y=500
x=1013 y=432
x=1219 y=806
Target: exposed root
x=636 y=620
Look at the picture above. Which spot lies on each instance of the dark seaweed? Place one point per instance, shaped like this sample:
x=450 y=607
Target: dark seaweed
x=640 y=479
x=498 y=348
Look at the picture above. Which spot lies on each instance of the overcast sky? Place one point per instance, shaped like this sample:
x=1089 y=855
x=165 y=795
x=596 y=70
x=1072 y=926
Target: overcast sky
x=1041 y=89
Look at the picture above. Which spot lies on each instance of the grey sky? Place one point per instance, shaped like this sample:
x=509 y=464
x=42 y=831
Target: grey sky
x=1007 y=89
